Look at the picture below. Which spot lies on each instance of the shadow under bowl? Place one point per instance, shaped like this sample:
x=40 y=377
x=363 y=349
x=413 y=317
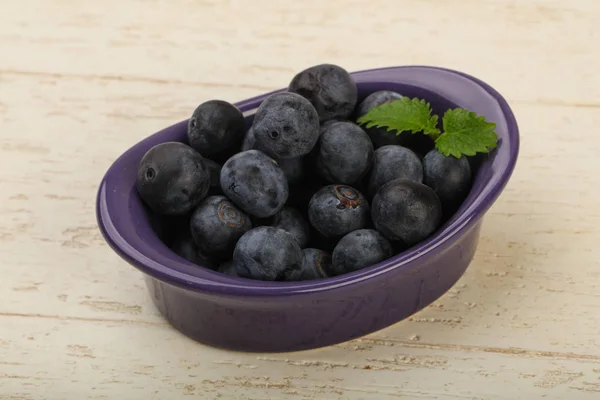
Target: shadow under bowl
x=248 y=315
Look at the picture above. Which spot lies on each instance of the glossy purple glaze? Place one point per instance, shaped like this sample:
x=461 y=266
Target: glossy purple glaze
x=248 y=315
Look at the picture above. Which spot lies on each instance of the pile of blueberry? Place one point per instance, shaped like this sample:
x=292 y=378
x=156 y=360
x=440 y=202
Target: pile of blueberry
x=305 y=192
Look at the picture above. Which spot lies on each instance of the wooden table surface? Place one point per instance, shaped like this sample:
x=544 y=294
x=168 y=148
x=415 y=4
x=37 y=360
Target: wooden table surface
x=82 y=81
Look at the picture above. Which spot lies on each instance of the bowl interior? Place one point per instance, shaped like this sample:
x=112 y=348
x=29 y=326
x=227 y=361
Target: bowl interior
x=168 y=228
x=142 y=237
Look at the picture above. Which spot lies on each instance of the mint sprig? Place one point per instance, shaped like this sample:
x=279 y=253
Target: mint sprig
x=464 y=132
x=404 y=114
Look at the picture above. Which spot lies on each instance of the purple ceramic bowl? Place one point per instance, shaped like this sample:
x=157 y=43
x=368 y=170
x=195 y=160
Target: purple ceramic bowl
x=248 y=315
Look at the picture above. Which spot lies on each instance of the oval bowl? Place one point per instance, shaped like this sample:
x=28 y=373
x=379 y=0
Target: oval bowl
x=248 y=315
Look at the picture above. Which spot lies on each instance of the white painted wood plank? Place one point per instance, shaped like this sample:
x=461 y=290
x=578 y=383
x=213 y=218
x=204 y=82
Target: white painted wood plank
x=132 y=361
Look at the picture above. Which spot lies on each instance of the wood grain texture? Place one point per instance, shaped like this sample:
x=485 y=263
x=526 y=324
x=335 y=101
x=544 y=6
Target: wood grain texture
x=81 y=83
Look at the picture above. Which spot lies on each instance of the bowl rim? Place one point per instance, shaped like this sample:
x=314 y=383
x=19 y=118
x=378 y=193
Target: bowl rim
x=208 y=281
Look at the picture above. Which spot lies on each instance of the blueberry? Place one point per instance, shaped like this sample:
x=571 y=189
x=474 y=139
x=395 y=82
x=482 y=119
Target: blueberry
x=406 y=211
x=172 y=178
x=380 y=135
x=336 y=210
x=227 y=268
x=360 y=249
x=286 y=125
x=267 y=253
x=184 y=246
x=293 y=168
x=216 y=127
x=217 y=224
x=394 y=162
x=344 y=153
x=291 y=220
x=315 y=264
x=376 y=99
x=255 y=183
x=330 y=89
x=449 y=177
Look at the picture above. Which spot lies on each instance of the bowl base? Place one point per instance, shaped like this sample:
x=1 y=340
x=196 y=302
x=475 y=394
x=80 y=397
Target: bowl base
x=309 y=321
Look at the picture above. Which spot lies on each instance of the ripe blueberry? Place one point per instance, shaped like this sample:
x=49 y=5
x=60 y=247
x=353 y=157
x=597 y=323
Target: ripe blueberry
x=255 y=183
x=267 y=253
x=291 y=220
x=217 y=224
x=184 y=246
x=315 y=264
x=216 y=127
x=394 y=162
x=449 y=177
x=344 y=153
x=406 y=211
x=336 y=210
x=286 y=125
x=330 y=89
x=376 y=99
x=293 y=168
x=172 y=178
x=360 y=249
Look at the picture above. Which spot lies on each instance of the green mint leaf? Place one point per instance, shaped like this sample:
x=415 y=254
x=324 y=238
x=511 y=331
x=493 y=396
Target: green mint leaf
x=465 y=133
x=404 y=114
